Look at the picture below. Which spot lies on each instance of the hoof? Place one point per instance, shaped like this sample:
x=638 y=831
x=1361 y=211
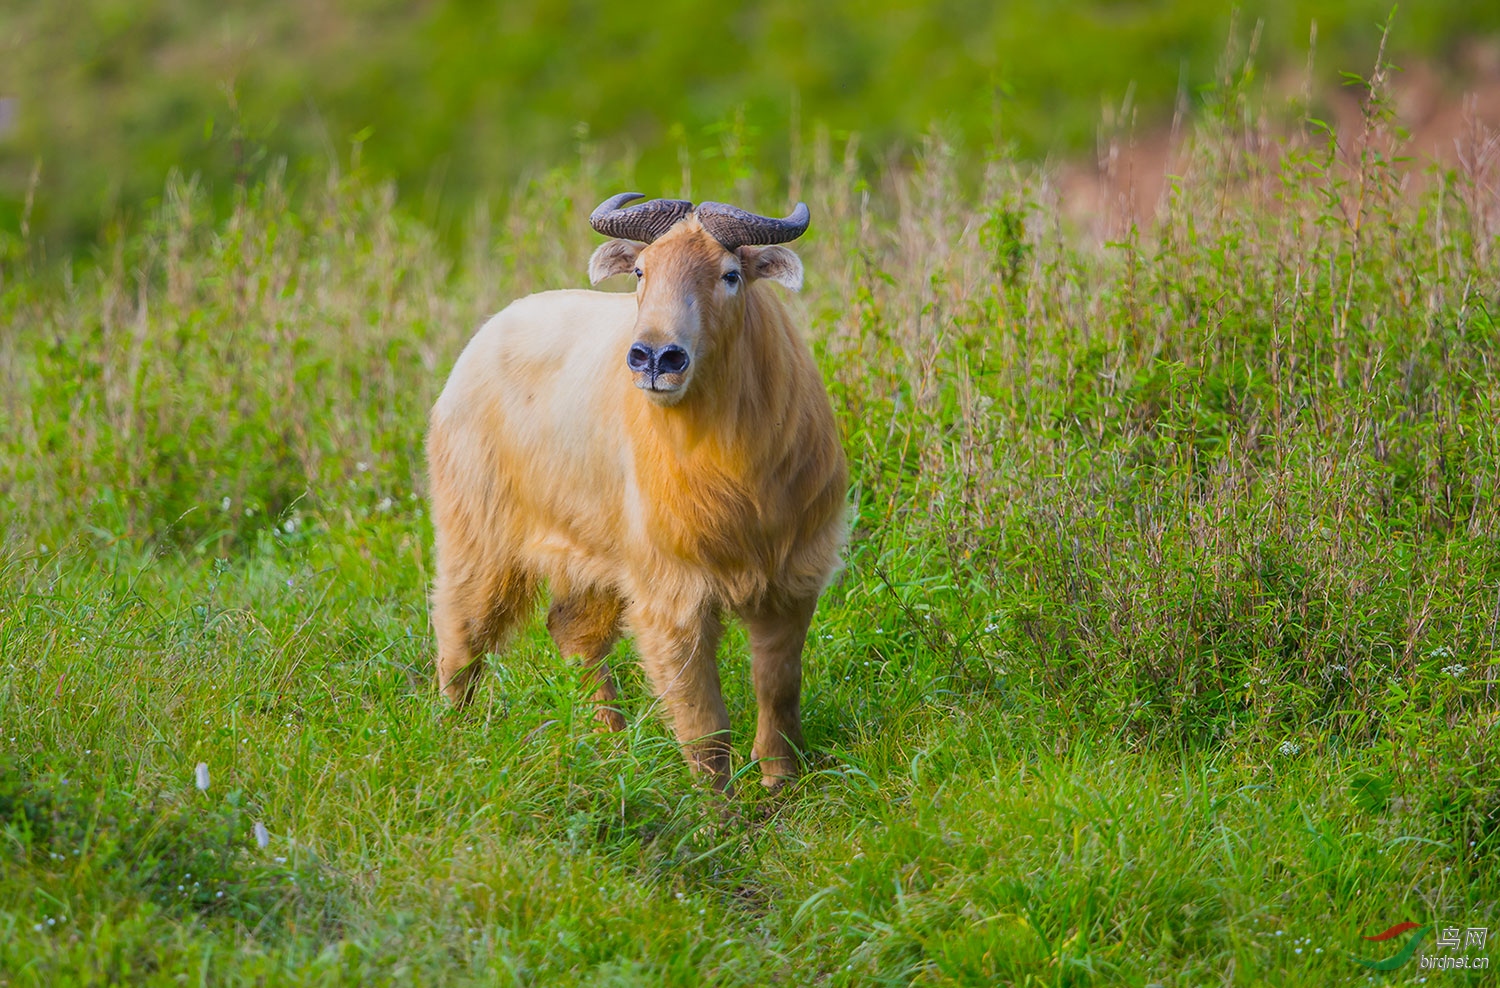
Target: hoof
x=610 y=720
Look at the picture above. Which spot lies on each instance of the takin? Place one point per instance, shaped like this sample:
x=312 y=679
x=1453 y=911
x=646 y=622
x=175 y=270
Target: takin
x=657 y=460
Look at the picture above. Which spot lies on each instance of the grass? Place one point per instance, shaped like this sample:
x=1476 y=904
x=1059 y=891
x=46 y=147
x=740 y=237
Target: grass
x=1164 y=654
x=459 y=102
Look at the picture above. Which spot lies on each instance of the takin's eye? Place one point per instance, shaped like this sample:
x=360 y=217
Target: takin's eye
x=639 y=273
x=732 y=279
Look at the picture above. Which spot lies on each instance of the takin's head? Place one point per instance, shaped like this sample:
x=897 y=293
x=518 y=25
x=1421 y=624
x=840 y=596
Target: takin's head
x=695 y=270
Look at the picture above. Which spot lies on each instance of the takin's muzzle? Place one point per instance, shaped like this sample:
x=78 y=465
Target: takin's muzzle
x=658 y=369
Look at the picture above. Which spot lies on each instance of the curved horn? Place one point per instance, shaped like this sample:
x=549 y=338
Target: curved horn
x=645 y=221
x=734 y=227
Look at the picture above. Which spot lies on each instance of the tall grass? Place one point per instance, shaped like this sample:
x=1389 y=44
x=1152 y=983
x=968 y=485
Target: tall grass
x=1165 y=653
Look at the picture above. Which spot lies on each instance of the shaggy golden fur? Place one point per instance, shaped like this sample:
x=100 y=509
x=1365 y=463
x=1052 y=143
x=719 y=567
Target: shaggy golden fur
x=649 y=511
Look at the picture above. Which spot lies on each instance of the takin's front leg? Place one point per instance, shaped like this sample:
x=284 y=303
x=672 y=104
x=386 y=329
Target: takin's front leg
x=777 y=631
x=586 y=623
x=680 y=655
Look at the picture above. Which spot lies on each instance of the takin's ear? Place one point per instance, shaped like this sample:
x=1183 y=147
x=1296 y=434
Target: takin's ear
x=613 y=257
x=776 y=263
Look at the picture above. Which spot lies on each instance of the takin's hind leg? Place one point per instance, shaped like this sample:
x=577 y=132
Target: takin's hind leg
x=472 y=610
x=586 y=623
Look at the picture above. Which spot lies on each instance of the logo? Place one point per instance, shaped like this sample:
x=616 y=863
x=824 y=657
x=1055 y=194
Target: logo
x=1450 y=939
x=1406 y=952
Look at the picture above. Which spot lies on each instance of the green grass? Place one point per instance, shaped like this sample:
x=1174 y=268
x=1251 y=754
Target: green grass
x=458 y=102
x=1164 y=653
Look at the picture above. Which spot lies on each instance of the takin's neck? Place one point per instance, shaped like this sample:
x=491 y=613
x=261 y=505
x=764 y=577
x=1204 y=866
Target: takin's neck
x=734 y=423
x=715 y=468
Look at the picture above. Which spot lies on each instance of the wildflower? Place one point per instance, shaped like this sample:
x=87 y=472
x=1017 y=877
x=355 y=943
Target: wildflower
x=224 y=504
x=262 y=836
x=1289 y=748
x=1455 y=670
x=201 y=776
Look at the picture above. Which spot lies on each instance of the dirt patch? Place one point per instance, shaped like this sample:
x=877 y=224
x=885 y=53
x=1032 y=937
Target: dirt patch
x=1446 y=115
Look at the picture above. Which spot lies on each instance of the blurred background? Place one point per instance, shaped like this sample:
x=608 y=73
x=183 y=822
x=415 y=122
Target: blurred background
x=463 y=102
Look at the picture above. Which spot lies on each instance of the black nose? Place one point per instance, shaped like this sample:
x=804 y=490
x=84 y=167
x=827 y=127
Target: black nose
x=639 y=358
x=670 y=359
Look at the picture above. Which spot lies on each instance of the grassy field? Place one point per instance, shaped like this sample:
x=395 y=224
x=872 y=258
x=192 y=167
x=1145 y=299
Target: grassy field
x=1165 y=653
x=459 y=102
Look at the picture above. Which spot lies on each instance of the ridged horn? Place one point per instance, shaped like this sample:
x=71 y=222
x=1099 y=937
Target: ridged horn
x=644 y=222
x=734 y=227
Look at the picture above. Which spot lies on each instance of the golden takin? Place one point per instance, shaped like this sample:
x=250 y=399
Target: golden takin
x=657 y=460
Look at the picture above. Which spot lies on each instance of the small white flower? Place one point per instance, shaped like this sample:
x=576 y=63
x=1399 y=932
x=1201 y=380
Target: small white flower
x=43 y=547
x=224 y=504
x=384 y=505
x=1289 y=748
x=262 y=836
x=1455 y=670
x=201 y=776
x=1441 y=652
x=362 y=466
x=290 y=525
